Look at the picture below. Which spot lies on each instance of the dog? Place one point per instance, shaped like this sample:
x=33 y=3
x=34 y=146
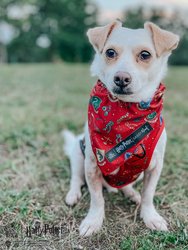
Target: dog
x=130 y=65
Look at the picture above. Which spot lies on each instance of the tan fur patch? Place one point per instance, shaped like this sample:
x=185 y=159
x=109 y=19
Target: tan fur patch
x=164 y=41
x=144 y=64
x=118 y=50
x=99 y=35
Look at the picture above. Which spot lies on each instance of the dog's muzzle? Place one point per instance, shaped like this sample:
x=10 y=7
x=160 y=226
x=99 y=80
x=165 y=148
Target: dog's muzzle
x=122 y=80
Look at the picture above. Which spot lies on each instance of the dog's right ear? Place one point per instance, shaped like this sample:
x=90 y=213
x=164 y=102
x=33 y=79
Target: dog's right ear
x=99 y=35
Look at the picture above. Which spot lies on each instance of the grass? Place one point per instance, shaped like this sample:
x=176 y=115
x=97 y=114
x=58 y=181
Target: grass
x=36 y=103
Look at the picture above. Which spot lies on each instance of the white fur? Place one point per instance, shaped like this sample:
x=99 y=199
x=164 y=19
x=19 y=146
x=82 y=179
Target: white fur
x=71 y=147
x=144 y=84
x=70 y=139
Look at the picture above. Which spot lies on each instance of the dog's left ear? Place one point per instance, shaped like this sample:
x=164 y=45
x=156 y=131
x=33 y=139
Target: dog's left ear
x=99 y=35
x=164 y=41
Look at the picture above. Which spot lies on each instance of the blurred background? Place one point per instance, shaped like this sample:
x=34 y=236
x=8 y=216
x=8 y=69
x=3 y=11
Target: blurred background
x=37 y=101
x=54 y=30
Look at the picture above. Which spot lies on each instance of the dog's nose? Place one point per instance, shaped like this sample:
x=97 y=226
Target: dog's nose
x=122 y=79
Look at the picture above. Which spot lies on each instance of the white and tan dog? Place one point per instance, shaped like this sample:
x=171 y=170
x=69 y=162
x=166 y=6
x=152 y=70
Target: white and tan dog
x=131 y=63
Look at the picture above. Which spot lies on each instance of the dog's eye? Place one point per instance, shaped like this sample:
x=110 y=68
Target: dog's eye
x=111 y=53
x=144 y=55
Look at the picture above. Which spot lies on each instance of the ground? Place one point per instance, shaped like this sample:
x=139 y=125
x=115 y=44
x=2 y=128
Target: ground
x=36 y=103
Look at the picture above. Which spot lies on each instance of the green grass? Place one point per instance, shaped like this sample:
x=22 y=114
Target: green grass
x=36 y=103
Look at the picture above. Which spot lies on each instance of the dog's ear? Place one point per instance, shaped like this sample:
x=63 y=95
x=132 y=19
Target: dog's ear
x=164 y=41
x=99 y=35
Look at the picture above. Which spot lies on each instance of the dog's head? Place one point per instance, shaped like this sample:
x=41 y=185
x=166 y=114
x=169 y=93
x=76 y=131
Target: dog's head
x=131 y=63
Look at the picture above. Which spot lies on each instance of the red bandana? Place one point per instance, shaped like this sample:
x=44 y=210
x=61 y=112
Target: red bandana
x=123 y=134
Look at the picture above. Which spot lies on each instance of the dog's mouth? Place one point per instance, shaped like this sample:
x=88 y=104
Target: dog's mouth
x=122 y=91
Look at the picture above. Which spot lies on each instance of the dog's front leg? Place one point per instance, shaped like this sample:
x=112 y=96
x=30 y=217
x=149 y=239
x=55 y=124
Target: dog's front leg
x=151 y=176
x=94 y=219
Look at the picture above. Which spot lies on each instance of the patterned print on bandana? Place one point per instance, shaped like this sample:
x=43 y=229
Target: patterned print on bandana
x=123 y=134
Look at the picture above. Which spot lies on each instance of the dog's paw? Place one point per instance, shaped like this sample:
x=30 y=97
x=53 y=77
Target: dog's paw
x=132 y=194
x=73 y=197
x=109 y=188
x=91 y=224
x=136 y=197
x=112 y=190
x=154 y=221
